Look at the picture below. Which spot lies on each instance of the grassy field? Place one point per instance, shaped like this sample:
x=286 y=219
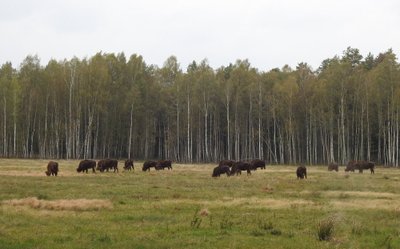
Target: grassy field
x=187 y=208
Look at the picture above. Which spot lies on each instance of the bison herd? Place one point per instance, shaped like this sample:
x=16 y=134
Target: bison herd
x=228 y=167
x=107 y=165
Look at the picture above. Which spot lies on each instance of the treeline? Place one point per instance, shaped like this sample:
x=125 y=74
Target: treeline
x=110 y=106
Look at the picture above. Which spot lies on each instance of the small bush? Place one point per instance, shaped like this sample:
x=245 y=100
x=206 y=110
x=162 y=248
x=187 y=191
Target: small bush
x=325 y=229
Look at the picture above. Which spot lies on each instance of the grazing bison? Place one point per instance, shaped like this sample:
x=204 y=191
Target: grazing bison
x=149 y=164
x=301 y=172
x=257 y=163
x=333 y=166
x=129 y=165
x=52 y=168
x=224 y=169
x=162 y=164
x=239 y=166
x=107 y=164
x=229 y=163
x=360 y=166
x=85 y=165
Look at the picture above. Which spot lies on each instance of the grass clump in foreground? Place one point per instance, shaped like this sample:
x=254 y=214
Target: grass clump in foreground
x=187 y=208
x=325 y=229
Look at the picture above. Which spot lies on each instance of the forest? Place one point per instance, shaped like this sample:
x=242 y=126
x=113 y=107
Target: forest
x=111 y=106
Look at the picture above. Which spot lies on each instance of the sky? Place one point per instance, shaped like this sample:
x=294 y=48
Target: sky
x=269 y=33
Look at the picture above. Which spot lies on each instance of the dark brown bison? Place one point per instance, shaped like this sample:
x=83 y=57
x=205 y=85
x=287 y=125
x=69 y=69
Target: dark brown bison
x=149 y=164
x=301 y=172
x=229 y=163
x=257 y=163
x=350 y=166
x=107 y=164
x=52 y=168
x=360 y=166
x=129 y=165
x=219 y=170
x=333 y=166
x=162 y=164
x=85 y=165
x=239 y=166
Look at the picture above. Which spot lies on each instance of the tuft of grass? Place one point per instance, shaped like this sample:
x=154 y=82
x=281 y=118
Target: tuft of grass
x=357 y=228
x=265 y=225
x=257 y=233
x=325 y=229
x=226 y=223
x=276 y=232
x=42 y=197
x=196 y=220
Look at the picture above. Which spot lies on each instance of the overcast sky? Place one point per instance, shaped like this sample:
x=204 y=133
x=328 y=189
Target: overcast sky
x=268 y=33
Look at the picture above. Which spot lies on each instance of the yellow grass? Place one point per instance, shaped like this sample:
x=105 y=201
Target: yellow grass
x=62 y=204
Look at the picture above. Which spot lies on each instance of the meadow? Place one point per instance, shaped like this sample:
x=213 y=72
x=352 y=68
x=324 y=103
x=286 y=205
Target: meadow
x=187 y=208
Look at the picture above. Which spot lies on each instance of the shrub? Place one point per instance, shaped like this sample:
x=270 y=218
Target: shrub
x=325 y=229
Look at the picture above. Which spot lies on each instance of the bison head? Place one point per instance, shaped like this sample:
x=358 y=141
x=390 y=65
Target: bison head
x=47 y=173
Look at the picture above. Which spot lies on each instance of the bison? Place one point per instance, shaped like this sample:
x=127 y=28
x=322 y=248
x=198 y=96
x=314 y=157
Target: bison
x=257 y=163
x=360 y=166
x=229 y=163
x=85 y=165
x=52 y=168
x=162 y=164
x=239 y=166
x=333 y=166
x=107 y=164
x=219 y=170
x=129 y=165
x=149 y=164
x=301 y=172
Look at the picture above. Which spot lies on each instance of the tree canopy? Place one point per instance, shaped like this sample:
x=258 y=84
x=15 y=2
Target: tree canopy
x=111 y=106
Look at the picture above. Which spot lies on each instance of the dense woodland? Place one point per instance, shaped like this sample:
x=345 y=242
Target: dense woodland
x=113 y=106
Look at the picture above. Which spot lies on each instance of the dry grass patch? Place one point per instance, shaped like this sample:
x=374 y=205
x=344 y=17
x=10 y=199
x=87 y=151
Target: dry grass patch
x=22 y=173
x=367 y=204
x=63 y=204
x=364 y=194
x=252 y=202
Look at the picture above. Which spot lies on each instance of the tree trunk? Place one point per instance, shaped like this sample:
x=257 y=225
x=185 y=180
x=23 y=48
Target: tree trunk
x=5 y=148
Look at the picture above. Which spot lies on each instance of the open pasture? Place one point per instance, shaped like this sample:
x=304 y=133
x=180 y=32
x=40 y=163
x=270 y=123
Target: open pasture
x=187 y=208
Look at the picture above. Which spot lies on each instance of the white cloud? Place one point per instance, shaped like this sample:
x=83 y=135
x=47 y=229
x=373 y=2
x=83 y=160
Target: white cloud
x=268 y=33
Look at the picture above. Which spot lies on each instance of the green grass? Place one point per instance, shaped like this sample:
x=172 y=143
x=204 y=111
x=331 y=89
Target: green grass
x=187 y=208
